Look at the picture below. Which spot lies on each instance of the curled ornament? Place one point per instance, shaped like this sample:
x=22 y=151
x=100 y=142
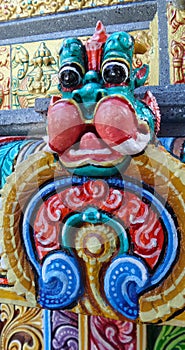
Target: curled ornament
x=60 y=281
x=125 y=279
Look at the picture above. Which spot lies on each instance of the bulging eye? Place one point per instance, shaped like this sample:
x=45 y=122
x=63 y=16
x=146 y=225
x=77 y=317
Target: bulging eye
x=69 y=76
x=115 y=72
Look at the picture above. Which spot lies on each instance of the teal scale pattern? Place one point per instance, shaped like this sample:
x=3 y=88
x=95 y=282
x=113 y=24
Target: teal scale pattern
x=8 y=155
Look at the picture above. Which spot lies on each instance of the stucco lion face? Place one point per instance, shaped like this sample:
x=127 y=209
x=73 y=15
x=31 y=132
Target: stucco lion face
x=98 y=124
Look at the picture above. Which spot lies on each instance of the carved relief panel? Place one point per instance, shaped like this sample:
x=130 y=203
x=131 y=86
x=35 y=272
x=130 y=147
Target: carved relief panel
x=4 y=77
x=20 y=327
x=15 y=9
x=176 y=20
x=34 y=72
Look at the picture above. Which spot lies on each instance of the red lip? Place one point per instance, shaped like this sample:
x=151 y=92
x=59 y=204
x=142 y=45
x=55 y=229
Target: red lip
x=90 y=149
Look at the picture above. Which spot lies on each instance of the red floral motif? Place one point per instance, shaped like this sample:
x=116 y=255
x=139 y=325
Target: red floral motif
x=144 y=226
x=45 y=231
x=108 y=334
x=142 y=223
x=91 y=193
x=113 y=200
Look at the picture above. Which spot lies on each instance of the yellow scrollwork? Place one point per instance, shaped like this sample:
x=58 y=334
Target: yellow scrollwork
x=22 y=328
x=96 y=245
x=4 y=77
x=15 y=193
x=161 y=302
x=14 y=9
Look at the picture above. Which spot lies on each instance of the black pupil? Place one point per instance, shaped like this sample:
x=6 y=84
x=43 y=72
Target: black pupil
x=69 y=78
x=114 y=73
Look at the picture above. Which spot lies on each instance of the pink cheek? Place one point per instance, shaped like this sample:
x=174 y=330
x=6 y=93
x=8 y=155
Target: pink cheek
x=64 y=125
x=115 y=121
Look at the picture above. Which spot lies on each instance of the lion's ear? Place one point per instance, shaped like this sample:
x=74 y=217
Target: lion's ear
x=141 y=75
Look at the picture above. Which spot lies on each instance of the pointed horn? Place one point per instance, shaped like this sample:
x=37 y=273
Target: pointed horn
x=94 y=46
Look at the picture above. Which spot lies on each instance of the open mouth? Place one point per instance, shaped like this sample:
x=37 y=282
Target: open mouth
x=90 y=150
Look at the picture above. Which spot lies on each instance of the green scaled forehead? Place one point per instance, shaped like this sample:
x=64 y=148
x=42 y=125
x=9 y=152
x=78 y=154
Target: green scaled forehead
x=72 y=51
x=119 y=45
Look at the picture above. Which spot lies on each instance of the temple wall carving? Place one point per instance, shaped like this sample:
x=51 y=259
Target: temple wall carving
x=139 y=208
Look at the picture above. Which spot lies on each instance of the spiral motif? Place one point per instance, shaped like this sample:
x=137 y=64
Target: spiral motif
x=124 y=280
x=96 y=189
x=60 y=281
x=113 y=201
x=66 y=337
